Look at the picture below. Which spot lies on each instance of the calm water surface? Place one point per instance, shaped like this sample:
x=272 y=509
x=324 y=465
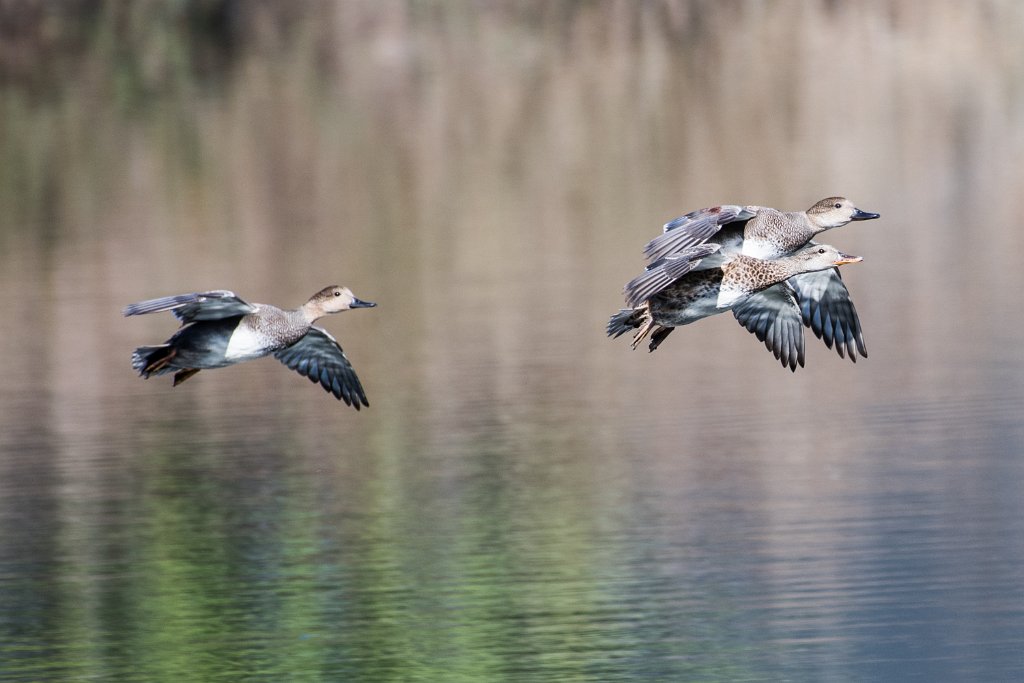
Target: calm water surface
x=524 y=499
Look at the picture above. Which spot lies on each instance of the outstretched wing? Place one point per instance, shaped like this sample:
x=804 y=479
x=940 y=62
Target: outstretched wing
x=773 y=316
x=828 y=310
x=319 y=357
x=664 y=272
x=695 y=228
x=212 y=305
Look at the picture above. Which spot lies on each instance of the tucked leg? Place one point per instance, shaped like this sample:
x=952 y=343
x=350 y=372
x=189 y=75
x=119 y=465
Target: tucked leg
x=182 y=375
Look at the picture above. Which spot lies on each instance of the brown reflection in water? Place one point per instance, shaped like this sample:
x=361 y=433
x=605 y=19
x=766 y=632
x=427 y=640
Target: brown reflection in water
x=491 y=181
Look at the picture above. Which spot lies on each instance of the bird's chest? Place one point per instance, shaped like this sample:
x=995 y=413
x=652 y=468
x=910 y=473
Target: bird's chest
x=245 y=343
x=257 y=338
x=770 y=236
x=764 y=248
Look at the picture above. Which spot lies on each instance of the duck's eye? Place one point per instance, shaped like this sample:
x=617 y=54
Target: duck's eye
x=838 y=205
x=337 y=292
x=821 y=251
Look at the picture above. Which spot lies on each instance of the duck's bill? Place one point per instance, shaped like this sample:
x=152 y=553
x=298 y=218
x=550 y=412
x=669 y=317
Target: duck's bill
x=846 y=258
x=359 y=303
x=864 y=216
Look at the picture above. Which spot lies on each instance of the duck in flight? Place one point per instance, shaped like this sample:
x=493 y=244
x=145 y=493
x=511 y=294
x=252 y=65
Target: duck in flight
x=220 y=329
x=688 y=243
x=774 y=316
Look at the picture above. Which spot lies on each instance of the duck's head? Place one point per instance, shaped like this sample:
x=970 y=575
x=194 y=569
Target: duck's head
x=835 y=212
x=335 y=299
x=821 y=257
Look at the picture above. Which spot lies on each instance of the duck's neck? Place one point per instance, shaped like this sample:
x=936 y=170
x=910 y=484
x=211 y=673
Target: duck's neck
x=745 y=275
x=772 y=233
x=307 y=313
x=785 y=268
x=758 y=273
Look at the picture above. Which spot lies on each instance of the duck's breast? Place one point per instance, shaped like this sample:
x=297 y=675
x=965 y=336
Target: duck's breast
x=248 y=341
x=772 y=234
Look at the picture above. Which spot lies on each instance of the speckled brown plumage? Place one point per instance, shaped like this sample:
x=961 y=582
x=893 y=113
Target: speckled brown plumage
x=702 y=293
x=821 y=297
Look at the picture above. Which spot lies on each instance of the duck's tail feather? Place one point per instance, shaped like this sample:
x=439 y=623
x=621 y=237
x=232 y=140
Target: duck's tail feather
x=639 y=319
x=153 y=360
x=626 y=320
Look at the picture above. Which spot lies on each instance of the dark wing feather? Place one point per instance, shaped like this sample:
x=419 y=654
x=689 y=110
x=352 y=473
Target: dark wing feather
x=664 y=272
x=319 y=357
x=694 y=228
x=828 y=310
x=213 y=305
x=773 y=317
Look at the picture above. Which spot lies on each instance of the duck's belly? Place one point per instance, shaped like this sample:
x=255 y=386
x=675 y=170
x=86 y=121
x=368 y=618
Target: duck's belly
x=245 y=344
x=205 y=344
x=688 y=300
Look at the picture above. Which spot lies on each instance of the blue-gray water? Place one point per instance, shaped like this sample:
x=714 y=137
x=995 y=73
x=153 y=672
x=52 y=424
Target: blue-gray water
x=525 y=499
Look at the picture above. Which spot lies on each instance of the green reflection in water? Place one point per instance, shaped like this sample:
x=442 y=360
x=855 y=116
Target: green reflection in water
x=231 y=561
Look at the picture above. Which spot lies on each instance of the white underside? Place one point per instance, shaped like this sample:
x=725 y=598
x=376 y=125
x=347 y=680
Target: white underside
x=728 y=297
x=760 y=249
x=244 y=345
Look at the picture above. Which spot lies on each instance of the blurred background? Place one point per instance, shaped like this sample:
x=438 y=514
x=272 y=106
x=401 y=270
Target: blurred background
x=525 y=499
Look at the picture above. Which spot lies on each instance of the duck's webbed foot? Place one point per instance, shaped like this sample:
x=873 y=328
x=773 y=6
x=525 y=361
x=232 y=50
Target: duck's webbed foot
x=182 y=375
x=658 y=336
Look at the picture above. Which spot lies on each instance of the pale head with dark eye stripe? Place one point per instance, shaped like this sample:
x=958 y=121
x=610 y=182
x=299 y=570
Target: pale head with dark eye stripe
x=333 y=299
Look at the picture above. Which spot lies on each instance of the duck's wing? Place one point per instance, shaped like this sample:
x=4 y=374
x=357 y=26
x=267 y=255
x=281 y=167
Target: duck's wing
x=695 y=228
x=773 y=316
x=828 y=310
x=664 y=272
x=212 y=305
x=319 y=357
